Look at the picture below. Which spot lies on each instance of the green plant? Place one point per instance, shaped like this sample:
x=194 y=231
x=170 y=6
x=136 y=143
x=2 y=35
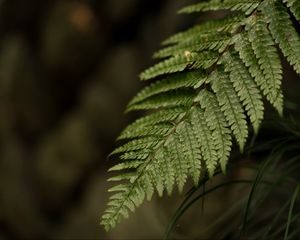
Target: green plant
x=210 y=84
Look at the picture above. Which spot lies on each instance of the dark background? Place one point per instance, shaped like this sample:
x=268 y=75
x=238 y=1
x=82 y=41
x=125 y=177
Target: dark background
x=67 y=70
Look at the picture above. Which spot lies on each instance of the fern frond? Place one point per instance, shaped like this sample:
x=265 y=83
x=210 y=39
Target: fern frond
x=217 y=124
x=284 y=32
x=245 y=87
x=246 y=6
x=213 y=76
x=243 y=46
x=178 y=63
x=268 y=58
x=230 y=106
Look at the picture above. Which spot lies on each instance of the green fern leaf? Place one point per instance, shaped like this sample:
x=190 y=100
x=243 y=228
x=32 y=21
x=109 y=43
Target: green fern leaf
x=176 y=81
x=168 y=171
x=173 y=150
x=191 y=150
x=182 y=97
x=294 y=5
x=268 y=58
x=246 y=6
x=243 y=46
x=212 y=41
x=205 y=139
x=140 y=154
x=245 y=88
x=227 y=24
x=159 y=129
x=217 y=124
x=168 y=115
x=137 y=144
x=230 y=106
x=126 y=165
x=178 y=63
x=283 y=31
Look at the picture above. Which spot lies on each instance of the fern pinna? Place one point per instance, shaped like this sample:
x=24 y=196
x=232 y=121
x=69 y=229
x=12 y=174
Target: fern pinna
x=210 y=83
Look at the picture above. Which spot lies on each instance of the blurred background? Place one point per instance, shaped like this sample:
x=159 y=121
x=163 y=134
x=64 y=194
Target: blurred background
x=67 y=70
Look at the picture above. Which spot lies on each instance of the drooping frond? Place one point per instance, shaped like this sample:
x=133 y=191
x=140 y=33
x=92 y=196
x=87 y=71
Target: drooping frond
x=211 y=81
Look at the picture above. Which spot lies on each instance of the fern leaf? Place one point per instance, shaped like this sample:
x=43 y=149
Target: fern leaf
x=246 y=6
x=268 y=59
x=156 y=173
x=205 y=139
x=212 y=41
x=175 y=64
x=245 y=88
x=217 y=124
x=246 y=53
x=178 y=63
x=169 y=99
x=230 y=106
x=191 y=150
x=294 y=6
x=227 y=24
x=160 y=129
x=125 y=176
x=168 y=171
x=179 y=80
x=164 y=115
x=137 y=144
x=173 y=150
x=284 y=32
x=126 y=165
x=140 y=154
x=128 y=197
